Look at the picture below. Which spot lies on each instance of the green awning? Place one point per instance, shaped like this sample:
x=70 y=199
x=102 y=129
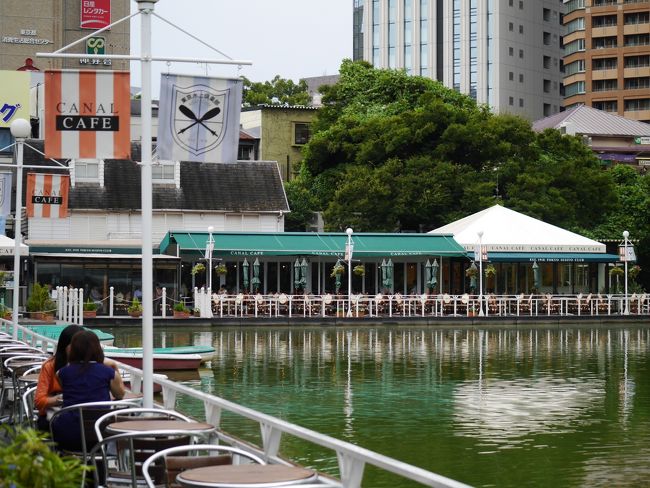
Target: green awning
x=555 y=257
x=312 y=244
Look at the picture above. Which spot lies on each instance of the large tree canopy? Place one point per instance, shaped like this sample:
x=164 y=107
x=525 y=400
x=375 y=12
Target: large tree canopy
x=394 y=152
x=278 y=90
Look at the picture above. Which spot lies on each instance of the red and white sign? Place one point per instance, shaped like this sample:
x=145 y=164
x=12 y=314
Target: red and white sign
x=47 y=195
x=87 y=114
x=95 y=14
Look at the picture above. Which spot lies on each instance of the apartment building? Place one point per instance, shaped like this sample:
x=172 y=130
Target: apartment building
x=31 y=26
x=505 y=53
x=607 y=56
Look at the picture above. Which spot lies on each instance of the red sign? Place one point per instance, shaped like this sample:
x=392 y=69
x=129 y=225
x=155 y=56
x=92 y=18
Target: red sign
x=95 y=14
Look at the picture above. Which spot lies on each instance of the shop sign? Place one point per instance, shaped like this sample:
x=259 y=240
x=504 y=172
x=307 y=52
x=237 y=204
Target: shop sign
x=27 y=36
x=95 y=46
x=629 y=256
x=95 y=14
x=14 y=96
x=642 y=140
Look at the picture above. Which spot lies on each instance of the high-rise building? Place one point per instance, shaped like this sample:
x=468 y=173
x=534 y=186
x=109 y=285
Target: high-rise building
x=505 y=53
x=31 y=26
x=607 y=56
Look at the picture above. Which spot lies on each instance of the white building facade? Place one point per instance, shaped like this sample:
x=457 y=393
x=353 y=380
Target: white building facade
x=504 y=53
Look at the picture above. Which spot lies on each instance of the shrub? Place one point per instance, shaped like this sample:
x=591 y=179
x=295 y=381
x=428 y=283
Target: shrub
x=180 y=307
x=89 y=306
x=39 y=300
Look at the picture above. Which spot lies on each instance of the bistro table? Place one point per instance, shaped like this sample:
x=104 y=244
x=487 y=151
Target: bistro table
x=144 y=425
x=245 y=475
x=29 y=378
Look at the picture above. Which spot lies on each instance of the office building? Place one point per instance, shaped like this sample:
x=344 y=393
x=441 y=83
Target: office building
x=607 y=56
x=504 y=53
x=31 y=26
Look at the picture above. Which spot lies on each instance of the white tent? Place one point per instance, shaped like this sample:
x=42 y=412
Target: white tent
x=507 y=231
x=8 y=245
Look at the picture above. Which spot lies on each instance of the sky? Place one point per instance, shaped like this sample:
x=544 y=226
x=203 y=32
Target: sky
x=290 y=38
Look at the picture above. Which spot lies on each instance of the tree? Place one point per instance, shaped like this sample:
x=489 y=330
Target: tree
x=278 y=90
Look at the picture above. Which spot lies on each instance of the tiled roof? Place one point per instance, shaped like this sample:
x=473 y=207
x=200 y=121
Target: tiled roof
x=238 y=187
x=591 y=121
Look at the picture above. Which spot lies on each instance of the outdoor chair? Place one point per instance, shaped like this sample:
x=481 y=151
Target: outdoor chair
x=118 y=460
x=176 y=460
x=602 y=305
x=30 y=415
x=549 y=306
x=447 y=305
x=524 y=305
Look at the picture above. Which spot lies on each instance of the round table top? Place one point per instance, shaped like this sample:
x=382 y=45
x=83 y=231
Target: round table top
x=144 y=425
x=29 y=378
x=232 y=476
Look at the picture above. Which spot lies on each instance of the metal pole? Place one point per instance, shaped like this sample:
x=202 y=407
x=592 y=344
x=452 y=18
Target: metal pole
x=209 y=256
x=349 y=231
x=480 y=274
x=626 y=310
x=146 y=7
x=21 y=130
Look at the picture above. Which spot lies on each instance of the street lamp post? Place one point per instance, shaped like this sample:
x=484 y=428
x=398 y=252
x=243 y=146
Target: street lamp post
x=626 y=234
x=348 y=249
x=21 y=130
x=208 y=251
x=480 y=273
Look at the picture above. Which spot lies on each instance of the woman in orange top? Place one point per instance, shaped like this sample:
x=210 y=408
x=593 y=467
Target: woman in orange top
x=48 y=390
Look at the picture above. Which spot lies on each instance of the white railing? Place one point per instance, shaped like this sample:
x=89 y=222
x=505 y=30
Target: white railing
x=351 y=459
x=393 y=305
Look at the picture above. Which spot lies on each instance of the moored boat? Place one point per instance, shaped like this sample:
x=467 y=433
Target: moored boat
x=164 y=358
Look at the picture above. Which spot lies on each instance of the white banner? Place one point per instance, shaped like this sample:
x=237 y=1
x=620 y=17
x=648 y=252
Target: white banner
x=198 y=119
x=5 y=194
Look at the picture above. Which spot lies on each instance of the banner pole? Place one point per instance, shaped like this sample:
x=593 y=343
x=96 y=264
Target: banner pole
x=146 y=7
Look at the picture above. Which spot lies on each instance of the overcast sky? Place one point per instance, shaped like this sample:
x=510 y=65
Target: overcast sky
x=290 y=38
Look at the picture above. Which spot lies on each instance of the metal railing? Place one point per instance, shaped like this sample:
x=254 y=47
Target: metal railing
x=351 y=459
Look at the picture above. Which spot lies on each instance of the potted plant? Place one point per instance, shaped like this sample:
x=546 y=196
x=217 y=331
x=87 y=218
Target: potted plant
x=6 y=312
x=196 y=312
x=359 y=270
x=135 y=309
x=490 y=271
x=221 y=269
x=198 y=268
x=39 y=304
x=471 y=272
x=181 y=311
x=27 y=459
x=90 y=309
x=616 y=271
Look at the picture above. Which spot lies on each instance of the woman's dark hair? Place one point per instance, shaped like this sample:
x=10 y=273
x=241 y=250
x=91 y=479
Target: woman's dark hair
x=61 y=354
x=85 y=348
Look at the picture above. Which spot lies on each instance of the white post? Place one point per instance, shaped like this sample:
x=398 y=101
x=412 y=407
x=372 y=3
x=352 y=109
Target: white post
x=59 y=302
x=146 y=7
x=164 y=302
x=111 y=296
x=349 y=232
x=480 y=274
x=80 y=307
x=208 y=251
x=626 y=310
x=21 y=130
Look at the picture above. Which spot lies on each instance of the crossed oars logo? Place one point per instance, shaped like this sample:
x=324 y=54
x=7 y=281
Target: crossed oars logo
x=210 y=114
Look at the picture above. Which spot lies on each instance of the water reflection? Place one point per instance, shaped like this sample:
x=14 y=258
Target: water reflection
x=497 y=407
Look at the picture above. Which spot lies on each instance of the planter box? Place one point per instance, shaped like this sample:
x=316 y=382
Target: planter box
x=136 y=314
x=45 y=317
x=181 y=315
x=90 y=314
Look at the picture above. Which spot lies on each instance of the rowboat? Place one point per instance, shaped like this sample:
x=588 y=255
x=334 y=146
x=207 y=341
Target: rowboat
x=164 y=358
x=54 y=331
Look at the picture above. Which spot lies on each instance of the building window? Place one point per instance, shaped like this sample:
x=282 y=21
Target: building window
x=603 y=63
x=606 y=105
x=572 y=5
x=521 y=102
x=302 y=133
x=511 y=76
x=521 y=29
x=576 y=88
x=86 y=170
x=521 y=53
x=637 y=104
x=511 y=27
x=603 y=42
x=602 y=21
x=574 y=46
x=547 y=86
x=637 y=18
x=575 y=67
x=573 y=26
x=547 y=109
x=547 y=14
x=521 y=4
x=546 y=38
x=604 y=85
x=637 y=40
x=408 y=36
x=637 y=61
x=376 y=32
x=521 y=78
x=392 y=33
x=547 y=62
x=163 y=172
x=511 y=101
x=637 y=83
x=511 y=51
x=456 y=24
x=424 y=37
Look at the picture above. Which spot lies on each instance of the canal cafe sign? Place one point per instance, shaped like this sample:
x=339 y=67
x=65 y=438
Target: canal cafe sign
x=534 y=248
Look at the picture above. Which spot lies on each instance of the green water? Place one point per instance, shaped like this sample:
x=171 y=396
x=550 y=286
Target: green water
x=497 y=407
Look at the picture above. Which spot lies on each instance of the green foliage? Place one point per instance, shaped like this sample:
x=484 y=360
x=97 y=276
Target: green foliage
x=490 y=270
x=221 y=269
x=302 y=202
x=198 y=268
x=337 y=270
x=27 y=461
x=89 y=306
x=180 y=307
x=285 y=91
x=359 y=270
x=39 y=300
x=135 y=306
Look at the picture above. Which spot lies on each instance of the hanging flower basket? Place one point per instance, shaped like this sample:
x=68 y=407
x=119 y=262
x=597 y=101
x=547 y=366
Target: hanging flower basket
x=634 y=271
x=359 y=270
x=337 y=270
x=198 y=268
x=471 y=272
x=490 y=271
x=221 y=269
x=616 y=271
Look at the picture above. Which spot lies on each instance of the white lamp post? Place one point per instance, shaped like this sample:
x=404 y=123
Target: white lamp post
x=208 y=254
x=626 y=234
x=348 y=249
x=21 y=130
x=480 y=273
